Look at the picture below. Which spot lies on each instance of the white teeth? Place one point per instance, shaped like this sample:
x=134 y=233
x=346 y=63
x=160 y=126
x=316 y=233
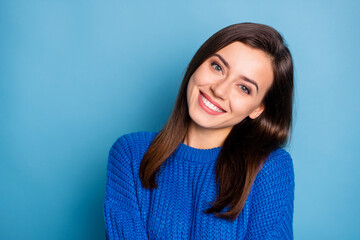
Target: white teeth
x=210 y=105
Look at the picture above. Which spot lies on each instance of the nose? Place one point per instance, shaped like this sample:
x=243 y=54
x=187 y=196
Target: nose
x=221 y=88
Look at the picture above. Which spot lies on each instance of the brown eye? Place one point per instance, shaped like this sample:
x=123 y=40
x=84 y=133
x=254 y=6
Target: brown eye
x=216 y=67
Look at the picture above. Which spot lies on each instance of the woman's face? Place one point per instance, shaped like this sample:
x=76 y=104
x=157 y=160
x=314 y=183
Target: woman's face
x=229 y=86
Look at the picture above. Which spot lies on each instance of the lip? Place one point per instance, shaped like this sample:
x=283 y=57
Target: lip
x=212 y=101
x=208 y=110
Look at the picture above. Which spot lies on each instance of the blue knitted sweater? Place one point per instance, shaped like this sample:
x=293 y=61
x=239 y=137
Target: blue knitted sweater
x=186 y=184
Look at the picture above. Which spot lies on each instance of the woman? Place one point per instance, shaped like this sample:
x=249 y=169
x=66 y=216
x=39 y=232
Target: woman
x=216 y=170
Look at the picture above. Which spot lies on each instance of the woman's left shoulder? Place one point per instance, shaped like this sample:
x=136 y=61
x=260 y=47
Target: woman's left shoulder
x=272 y=198
x=276 y=178
x=277 y=170
x=278 y=160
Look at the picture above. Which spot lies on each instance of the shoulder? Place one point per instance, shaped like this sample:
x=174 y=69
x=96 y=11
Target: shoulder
x=132 y=144
x=124 y=157
x=279 y=161
x=126 y=153
x=277 y=174
x=140 y=139
x=272 y=198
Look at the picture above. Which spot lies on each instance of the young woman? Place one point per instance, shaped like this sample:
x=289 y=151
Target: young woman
x=216 y=170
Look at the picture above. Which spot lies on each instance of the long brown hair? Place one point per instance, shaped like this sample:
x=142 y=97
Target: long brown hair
x=250 y=142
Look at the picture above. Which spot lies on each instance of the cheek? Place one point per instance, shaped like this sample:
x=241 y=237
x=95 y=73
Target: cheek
x=190 y=87
x=201 y=76
x=242 y=107
x=190 y=91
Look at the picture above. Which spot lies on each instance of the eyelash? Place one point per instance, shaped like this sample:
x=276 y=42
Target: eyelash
x=214 y=65
x=245 y=89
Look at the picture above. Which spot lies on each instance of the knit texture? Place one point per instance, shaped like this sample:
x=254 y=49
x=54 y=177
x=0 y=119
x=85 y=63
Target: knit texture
x=186 y=185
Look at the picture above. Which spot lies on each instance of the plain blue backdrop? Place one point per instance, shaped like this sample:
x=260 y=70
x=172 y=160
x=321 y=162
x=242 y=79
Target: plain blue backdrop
x=76 y=75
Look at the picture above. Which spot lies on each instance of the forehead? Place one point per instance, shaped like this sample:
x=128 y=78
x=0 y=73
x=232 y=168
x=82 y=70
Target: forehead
x=253 y=63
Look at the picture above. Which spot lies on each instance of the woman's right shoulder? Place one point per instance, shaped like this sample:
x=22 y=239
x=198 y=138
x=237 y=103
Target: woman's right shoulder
x=135 y=142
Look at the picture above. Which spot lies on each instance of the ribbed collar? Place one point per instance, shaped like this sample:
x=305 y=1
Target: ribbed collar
x=197 y=155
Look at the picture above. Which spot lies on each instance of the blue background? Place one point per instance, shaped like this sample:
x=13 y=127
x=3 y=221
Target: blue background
x=76 y=75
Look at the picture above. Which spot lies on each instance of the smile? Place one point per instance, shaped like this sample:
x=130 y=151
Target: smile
x=206 y=104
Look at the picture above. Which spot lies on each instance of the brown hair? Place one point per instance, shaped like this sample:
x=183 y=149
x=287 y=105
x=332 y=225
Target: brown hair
x=250 y=142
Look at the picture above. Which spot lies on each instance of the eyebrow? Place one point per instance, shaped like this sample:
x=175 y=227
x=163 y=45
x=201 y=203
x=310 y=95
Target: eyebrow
x=242 y=76
x=250 y=81
x=222 y=59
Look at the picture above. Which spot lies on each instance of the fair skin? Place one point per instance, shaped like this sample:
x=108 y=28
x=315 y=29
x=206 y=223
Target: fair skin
x=226 y=88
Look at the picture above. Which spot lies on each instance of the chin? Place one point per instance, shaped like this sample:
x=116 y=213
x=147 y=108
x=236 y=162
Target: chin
x=206 y=124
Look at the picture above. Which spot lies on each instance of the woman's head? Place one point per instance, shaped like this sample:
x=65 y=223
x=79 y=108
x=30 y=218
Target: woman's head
x=246 y=71
x=228 y=87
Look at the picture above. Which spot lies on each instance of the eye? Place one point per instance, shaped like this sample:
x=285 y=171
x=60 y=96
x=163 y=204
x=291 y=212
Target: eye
x=245 y=89
x=216 y=66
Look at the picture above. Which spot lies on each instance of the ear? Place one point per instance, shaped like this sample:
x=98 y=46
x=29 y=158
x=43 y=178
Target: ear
x=257 y=112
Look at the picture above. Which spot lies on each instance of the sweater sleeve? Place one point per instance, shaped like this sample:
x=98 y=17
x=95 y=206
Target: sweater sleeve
x=121 y=209
x=272 y=199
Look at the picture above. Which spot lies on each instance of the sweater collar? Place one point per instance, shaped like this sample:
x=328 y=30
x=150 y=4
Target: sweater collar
x=196 y=154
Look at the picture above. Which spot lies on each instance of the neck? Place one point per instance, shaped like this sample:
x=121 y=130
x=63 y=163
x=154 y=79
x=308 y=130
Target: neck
x=205 y=138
